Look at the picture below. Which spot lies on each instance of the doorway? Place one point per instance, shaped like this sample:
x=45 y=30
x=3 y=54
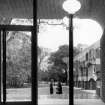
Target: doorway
x=17 y=85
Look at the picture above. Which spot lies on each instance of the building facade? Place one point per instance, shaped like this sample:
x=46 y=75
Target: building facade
x=103 y=66
x=87 y=68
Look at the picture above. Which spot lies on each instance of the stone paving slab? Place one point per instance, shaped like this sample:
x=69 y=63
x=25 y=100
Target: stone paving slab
x=88 y=102
x=66 y=102
x=53 y=102
x=88 y=91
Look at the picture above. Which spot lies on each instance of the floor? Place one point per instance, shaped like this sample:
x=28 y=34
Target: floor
x=81 y=97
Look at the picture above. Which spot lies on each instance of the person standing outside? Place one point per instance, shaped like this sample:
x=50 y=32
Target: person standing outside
x=59 y=88
x=51 y=87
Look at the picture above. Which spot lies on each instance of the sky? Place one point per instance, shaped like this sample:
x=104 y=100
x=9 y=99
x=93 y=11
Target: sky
x=85 y=31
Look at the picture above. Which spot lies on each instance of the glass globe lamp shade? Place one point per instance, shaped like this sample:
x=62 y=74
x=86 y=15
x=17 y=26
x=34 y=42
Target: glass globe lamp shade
x=71 y=6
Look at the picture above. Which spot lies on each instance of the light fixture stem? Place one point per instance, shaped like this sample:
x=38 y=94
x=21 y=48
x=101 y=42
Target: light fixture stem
x=71 y=85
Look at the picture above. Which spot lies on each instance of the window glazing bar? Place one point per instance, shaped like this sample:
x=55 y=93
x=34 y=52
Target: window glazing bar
x=34 y=56
x=0 y=65
x=16 y=27
x=4 y=66
x=34 y=67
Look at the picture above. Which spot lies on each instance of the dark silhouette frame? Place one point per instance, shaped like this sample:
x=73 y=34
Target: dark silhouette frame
x=3 y=30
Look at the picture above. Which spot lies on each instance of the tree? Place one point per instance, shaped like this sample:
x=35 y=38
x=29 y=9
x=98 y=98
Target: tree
x=18 y=54
x=18 y=59
x=59 y=67
x=42 y=54
x=76 y=51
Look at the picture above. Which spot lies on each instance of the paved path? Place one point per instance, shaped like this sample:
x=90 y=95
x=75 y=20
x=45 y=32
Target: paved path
x=82 y=97
x=19 y=94
x=85 y=94
x=53 y=102
x=46 y=99
x=88 y=102
x=66 y=102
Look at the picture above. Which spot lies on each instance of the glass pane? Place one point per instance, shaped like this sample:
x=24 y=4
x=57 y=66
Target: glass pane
x=87 y=69
x=18 y=66
x=1 y=69
x=53 y=55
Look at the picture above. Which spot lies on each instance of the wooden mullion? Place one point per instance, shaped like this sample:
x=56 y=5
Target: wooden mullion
x=34 y=68
x=4 y=66
x=16 y=27
x=34 y=56
x=0 y=65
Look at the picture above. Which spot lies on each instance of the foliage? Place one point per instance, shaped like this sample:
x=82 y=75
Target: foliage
x=43 y=75
x=76 y=51
x=59 y=68
x=42 y=57
x=18 y=59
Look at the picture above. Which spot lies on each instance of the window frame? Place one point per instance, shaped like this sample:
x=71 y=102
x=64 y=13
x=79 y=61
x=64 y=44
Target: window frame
x=4 y=29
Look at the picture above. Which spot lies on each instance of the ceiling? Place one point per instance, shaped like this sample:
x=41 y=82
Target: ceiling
x=51 y=9
x=93 y=9
x=16 y=8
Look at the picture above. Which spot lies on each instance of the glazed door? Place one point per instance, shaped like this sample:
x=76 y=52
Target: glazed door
x=18 y=84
